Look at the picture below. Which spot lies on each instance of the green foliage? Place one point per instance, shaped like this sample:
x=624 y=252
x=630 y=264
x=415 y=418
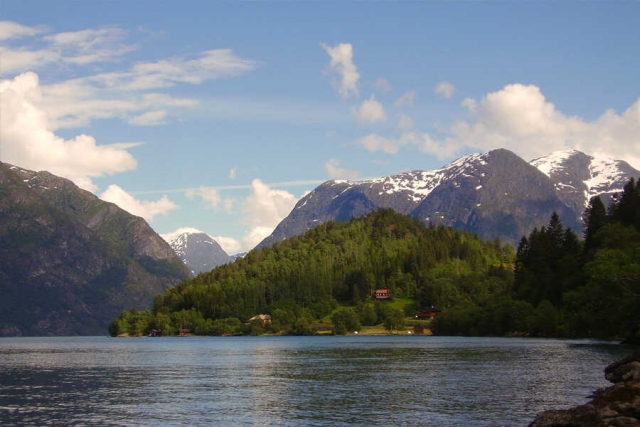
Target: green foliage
x=594 y=291
x=303 y=279
x=345 y=320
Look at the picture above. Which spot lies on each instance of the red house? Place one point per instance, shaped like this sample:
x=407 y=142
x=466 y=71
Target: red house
x=382 y=294
x=428 y=313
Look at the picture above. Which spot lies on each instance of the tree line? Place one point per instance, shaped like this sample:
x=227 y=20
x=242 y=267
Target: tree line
x=334 y=266
x=556 y=284
x=567 y=286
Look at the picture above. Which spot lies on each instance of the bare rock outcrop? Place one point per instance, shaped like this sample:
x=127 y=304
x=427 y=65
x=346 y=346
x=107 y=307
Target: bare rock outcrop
x=615 y=406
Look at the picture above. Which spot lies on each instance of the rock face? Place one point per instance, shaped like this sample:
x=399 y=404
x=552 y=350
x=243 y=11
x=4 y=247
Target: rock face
x=615 y=406
x=70 y=262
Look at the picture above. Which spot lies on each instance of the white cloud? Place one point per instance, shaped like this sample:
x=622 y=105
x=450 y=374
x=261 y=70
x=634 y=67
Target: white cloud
x=75 y=103
x=232 y=173
x=89 y=46
x=150 y=118
x=342 y=63
x=375 y=142
x=370 y=111
x=420 y=140
x=445 y=89
x=407 y=98
x=383 y=85
x=405 y=123
x=143 y=208
x=13 y=30
x=28 y=140
x=519 y=117
x=209 y=195
x=212 y=64
x=75 y=48
x=228 y=244
x=442 y=149
x=334 y=171
x=15 y=60
x=125 y=94
x=263 y=210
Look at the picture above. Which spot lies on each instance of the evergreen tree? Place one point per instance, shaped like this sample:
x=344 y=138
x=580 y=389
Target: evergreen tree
x=595 y=217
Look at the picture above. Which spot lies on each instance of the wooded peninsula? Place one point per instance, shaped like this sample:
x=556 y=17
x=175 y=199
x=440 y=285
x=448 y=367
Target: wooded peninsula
x=556 y=283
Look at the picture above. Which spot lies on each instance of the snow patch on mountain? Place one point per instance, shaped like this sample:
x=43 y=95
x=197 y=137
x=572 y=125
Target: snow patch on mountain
x=574 y=171
x=417 y=185
x=548 y=164
x=604 y=172
x=169 y=237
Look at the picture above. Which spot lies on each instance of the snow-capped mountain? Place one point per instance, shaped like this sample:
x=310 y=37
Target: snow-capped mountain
x=199 y=251
x=577 y=176
x=494 y=194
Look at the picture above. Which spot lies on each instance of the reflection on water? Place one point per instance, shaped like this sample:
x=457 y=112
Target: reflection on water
x=293 y=381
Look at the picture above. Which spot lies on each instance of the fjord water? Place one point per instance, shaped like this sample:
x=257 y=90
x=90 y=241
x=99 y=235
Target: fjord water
x=295 y=381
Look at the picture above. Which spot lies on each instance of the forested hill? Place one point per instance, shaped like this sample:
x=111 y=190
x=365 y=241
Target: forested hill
x=306 y=277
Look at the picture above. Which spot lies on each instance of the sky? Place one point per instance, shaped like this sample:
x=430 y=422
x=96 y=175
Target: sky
x=221 y=115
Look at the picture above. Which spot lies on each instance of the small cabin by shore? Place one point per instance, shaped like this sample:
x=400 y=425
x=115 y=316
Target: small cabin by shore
x=263 y=319
x=155 y=333
x=428 y=313
x=380 y=294
x=422 y=330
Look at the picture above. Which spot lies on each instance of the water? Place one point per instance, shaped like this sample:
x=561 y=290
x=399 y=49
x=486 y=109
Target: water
x=294 y=381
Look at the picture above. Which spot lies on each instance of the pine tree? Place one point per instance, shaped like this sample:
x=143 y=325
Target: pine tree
x=595 y=217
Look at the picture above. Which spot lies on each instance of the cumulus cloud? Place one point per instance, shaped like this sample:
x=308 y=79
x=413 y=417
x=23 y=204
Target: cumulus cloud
x=370 y=111
x=520 y=118
x=263 y=210
x=209 y=195
x=334 y=171
x=143 y=208
x=28 y=140
x=383 y=85
x=445 y=89
x=342 y=64
x=228 y=244
x=407 y=98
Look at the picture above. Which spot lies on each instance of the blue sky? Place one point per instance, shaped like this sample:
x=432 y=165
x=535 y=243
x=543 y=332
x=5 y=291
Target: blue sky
x=221 y=115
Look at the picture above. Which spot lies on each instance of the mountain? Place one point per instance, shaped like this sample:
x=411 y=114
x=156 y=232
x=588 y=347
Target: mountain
x=577 y=176
x=493 y=194
x=199 y=251
x=70 y=261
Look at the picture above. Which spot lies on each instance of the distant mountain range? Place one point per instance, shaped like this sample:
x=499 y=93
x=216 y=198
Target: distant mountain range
x=494 y=194
x=70 y=262
x=199 y=251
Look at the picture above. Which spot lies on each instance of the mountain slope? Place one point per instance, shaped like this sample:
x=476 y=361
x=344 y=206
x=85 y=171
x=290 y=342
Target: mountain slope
x=494 y=194
x=577 y=176
x=199 y=251
x=70 y=261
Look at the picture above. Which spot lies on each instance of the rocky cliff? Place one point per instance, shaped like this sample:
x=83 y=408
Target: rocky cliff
x=615 y=406
x=69 y=262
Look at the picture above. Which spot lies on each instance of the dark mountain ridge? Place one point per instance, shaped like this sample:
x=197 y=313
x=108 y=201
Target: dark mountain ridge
x=71 y=261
